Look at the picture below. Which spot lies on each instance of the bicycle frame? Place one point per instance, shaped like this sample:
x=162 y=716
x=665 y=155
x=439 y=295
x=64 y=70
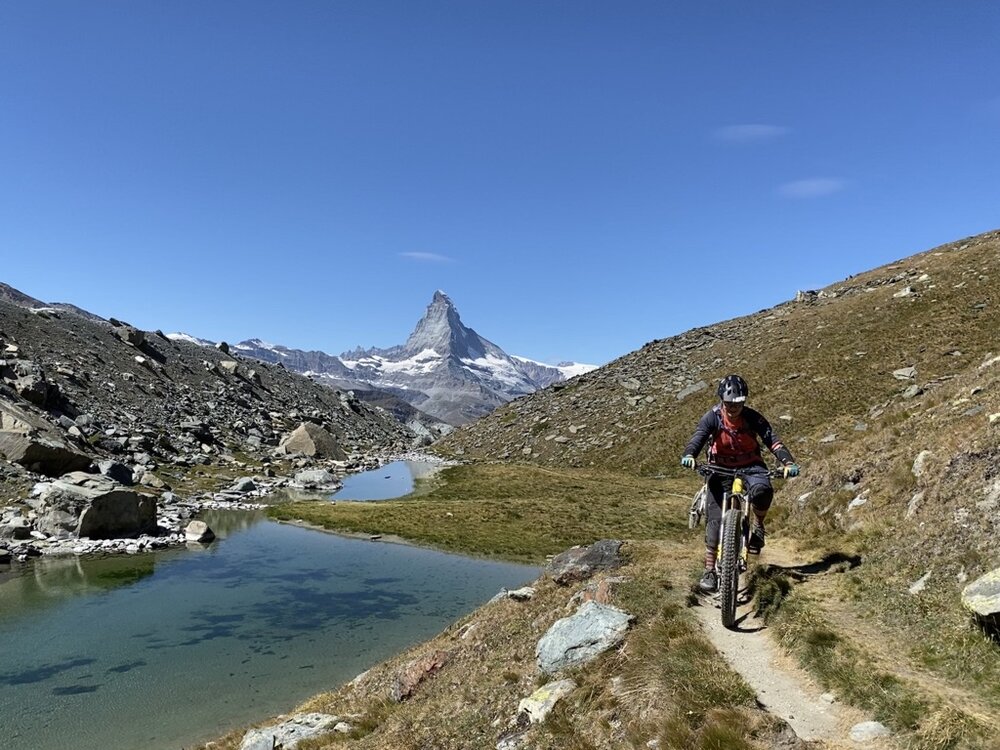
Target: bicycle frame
x=732 y=554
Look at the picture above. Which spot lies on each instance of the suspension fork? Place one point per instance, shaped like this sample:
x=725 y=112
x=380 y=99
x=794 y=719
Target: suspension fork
x=727 y=505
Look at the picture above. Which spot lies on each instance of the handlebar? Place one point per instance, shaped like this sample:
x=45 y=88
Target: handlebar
x=707 y=470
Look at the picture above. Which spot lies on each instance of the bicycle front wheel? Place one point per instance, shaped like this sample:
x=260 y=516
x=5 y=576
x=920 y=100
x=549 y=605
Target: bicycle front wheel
x=729 y=565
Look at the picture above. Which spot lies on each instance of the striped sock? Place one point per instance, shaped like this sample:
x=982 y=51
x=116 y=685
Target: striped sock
x=709 y=559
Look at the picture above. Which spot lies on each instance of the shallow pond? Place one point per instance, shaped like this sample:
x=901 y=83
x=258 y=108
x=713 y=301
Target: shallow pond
x=167 y=649
x=391 y=480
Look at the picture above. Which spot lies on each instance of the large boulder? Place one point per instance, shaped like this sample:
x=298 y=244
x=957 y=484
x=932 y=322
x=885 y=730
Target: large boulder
x=43 y=455
x=312 y=440
x=581 y=637
x=29 y=440
x=198 y=531
x=127 y=333
x=86 y=505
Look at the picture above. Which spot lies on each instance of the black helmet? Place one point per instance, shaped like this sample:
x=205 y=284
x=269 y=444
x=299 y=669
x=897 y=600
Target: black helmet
x=733 y=388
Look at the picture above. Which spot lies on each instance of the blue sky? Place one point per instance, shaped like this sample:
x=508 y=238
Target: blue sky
x=580 y=177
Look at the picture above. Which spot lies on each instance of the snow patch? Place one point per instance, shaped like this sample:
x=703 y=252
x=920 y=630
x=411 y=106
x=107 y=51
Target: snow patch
x=497 y=367
x=190 y=339
x=575 y=368
x=419 y=364
x=568 y=369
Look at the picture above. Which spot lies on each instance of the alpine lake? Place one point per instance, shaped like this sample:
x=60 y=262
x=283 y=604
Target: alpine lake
x=167 y=649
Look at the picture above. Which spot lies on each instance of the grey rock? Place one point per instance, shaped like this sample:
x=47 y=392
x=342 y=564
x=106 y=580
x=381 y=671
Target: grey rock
x=857 y=502
x=905 y=373
x=15 y=419
x=577 y=639
x=44 y=455
x=311 y=478
x=982 y=596
x=92 y=506
x=867 y=731
x=16 y=529
x=198 y=531
x=130 y=334
x=920 y=584
x=312 y=440
x=540 y=703
x=289 y=733
x=580 y=563
x=243 y=485
x=116 y=471
x=912 y=392
x=29 y=380
x=920 y=463
x=149 y=479
x=691 y=389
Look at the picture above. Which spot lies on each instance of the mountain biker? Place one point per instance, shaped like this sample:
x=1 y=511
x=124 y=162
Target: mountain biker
x=731 y=430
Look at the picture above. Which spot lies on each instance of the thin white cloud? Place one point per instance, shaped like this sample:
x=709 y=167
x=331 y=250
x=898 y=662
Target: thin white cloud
x=814 y=187
x=750 y=132
x=426 y=257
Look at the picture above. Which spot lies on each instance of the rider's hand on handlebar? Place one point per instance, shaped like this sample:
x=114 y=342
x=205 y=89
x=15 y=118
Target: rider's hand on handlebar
x=791 y=470
x=688 y=462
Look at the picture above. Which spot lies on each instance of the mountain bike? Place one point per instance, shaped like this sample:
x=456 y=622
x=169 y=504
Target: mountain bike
x=732 y=557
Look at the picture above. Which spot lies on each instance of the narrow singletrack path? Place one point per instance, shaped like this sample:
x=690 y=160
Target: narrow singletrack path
x=783 y=688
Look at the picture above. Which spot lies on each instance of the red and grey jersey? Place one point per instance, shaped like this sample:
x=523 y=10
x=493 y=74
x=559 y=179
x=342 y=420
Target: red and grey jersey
x=734 y=442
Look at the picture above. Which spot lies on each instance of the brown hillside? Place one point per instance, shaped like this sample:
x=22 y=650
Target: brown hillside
x=817 y=366
x=903 y=473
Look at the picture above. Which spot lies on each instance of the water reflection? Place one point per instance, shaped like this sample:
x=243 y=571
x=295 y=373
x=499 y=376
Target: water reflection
x=49 y=579
x=393 y=480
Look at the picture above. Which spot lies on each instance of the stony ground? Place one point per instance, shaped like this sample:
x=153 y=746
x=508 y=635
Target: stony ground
x=106 y=390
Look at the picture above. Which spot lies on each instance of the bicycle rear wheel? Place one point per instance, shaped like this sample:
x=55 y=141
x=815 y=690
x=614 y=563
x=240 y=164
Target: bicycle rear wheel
x=729 y=565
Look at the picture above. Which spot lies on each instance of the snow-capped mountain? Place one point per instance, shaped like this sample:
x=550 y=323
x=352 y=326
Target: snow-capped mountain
x=444 y=369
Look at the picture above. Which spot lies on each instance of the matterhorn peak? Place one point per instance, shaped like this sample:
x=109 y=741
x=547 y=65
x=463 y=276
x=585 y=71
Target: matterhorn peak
x=441 y=329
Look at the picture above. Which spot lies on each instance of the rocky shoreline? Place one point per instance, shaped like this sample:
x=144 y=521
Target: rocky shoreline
x=22 y=536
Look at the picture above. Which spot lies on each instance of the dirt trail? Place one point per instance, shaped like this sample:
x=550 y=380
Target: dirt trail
x=783 y=688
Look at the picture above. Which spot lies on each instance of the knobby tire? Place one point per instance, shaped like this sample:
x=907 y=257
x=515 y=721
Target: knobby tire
x=729 y=566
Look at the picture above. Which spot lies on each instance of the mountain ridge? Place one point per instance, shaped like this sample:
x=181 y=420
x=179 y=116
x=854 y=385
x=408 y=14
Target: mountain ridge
x=444 y=368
